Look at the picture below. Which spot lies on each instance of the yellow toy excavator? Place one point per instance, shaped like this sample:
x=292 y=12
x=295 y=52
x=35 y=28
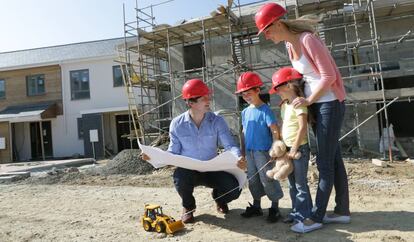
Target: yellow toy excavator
x=154 y=219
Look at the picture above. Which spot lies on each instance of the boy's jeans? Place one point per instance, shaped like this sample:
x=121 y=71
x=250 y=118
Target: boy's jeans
x=327 y=129
x=260 y=184
x=298 y=186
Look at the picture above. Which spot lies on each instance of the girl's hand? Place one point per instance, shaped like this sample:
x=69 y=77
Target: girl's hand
x=300 y=102
x=291 y=155
x=294 y=154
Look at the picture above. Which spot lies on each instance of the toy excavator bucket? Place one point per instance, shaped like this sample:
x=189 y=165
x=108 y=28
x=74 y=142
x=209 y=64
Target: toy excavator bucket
x=173 y=227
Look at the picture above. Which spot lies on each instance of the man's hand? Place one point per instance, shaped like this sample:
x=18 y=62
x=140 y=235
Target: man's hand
x=145 y=157
x=241 y=163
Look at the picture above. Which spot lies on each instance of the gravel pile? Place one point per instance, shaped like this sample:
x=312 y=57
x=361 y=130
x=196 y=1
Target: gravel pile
x=127 y=162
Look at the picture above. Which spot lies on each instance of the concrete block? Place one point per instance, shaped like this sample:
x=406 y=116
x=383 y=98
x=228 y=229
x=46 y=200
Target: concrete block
x=14 y=176
x=7 y=179
x=380 y=163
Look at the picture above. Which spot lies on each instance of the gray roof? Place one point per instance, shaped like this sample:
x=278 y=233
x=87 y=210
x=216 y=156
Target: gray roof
x=26 y=108
x=58 y=54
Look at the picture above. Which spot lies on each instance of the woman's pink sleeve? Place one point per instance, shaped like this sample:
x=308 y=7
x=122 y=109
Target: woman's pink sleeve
x=321 y=58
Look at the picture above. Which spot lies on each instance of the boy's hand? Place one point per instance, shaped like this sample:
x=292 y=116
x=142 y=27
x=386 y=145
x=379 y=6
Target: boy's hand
x=241 y=163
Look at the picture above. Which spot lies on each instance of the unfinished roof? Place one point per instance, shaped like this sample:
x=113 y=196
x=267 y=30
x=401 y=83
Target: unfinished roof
x=241 y=20
x=58 y=54
x=192 y=30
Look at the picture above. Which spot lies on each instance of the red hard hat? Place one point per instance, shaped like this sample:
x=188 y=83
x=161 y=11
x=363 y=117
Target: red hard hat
x=248 y=80
x=194 y=88
x=267 y=14
x=282 y=76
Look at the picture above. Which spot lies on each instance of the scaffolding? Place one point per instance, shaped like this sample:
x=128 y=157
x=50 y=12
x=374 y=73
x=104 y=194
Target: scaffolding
x=154 y=57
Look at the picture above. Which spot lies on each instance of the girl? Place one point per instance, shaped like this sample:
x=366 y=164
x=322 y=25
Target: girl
x=286 y=83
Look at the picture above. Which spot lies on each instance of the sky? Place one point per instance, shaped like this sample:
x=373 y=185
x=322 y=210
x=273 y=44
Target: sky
x=27 y=24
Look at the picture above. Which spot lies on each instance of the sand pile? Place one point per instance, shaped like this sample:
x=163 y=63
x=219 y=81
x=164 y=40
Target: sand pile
x=127 y=162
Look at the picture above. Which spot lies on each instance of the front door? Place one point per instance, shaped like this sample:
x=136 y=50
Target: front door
x=36 y=139
x=123 y=132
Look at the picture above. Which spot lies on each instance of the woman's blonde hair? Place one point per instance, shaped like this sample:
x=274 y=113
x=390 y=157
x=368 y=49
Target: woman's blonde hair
x=305 y=23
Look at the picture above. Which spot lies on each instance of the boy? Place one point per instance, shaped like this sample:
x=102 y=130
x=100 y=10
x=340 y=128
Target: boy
x=259 y=131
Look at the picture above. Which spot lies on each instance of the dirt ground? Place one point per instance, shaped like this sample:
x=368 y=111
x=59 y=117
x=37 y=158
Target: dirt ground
x=108 y=208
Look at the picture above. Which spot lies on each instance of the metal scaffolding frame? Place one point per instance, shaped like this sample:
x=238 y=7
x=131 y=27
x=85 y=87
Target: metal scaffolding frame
x=147 y=45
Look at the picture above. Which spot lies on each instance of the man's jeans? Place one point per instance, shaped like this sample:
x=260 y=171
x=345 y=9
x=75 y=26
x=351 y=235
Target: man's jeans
x=327 y=129
x=222 y=182
x=298 y=186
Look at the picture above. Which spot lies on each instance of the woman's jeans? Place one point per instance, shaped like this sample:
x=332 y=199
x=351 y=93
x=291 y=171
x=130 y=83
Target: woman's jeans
x=298 y=186
x=327 y=129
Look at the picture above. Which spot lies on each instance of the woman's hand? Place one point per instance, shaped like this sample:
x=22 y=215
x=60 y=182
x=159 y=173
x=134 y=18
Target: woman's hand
x=300 y=102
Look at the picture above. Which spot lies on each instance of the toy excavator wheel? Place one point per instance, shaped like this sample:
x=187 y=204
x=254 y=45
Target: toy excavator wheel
x=147 y=226
x=160 y=227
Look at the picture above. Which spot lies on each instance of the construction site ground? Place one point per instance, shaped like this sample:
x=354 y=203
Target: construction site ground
x=75 y=205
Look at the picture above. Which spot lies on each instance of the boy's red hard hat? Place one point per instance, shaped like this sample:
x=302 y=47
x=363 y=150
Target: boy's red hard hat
x=194 y=88
x=248 y=80
x=282 y=76
x=267 y=14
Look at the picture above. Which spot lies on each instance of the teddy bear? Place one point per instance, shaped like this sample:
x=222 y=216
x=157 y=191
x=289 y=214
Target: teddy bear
x=284 y=165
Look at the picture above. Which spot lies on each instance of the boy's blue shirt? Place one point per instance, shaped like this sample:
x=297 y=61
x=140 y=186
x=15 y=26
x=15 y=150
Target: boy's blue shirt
x=256 y=122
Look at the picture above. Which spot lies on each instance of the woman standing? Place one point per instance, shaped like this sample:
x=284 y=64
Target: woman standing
x=324 y=96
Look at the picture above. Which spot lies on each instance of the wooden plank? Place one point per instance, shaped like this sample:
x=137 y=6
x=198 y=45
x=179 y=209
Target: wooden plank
x=400 y=148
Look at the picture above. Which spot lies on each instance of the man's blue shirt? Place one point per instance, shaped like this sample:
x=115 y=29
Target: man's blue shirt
x=200 y=143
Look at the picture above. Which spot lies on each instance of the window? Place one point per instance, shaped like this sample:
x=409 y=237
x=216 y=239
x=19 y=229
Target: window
x=80 y=128
x=164 y=66
x=193 y=56
x=117 y=75
x=79 y=84
x=2 y=89
x=35 y=85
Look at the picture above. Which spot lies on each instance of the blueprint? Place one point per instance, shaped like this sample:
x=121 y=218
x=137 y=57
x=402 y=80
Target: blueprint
x=226 y=161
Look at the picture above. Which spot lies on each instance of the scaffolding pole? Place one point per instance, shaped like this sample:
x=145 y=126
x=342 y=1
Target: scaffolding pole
x=374 y=35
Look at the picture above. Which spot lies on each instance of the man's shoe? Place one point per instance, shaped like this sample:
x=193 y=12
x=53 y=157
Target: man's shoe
x=274 y=215
x=222 y=208
x=335 y=218
x=187 y=216
x=305 y=227
x=252 y=211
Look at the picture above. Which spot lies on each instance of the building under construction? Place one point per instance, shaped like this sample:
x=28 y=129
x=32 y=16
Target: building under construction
x=371 y=42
